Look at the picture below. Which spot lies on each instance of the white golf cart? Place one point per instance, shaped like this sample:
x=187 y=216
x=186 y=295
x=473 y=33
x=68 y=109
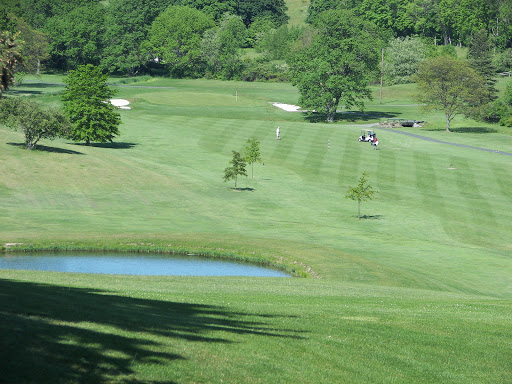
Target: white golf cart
x=366 y=135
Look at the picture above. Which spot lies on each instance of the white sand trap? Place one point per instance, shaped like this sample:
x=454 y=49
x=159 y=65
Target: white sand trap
x=121 y=103
x=287 y=107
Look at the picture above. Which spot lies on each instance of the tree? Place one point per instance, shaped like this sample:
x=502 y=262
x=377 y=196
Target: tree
x=449 y=85
x=480 y=58
x=388 y=14
x=252 y=153
x=175 y=39
x=237 y=168
x=35 y=121
x=362 y=192
x=402 y=58
x=214 y=8
x=221 y=46
x=250 y=10
x=127 y=27
x=86 y=103
x=10 y=58
x=35 y=47
x=76 y=37
x=338 y=65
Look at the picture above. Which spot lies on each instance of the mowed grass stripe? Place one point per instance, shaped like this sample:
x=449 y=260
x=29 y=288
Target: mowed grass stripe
x=313 y=164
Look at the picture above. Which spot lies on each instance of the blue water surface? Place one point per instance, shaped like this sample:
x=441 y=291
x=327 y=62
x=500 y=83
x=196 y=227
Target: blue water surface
x=134 y=264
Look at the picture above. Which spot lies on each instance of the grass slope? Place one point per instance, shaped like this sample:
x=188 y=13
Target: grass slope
x=418 y=291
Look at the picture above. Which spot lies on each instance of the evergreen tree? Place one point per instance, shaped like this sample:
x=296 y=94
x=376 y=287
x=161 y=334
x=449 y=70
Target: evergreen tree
x=480 y=58
x=87 y=104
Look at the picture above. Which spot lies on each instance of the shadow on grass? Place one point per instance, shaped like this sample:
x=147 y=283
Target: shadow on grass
x=372 y=217
x=481 y=130
x=44 y=148
x=22 y=92
x=350 y=116
x=243 y=189
x=113 y=145
x=474 y=130
x=56 y=334
x=40 y=85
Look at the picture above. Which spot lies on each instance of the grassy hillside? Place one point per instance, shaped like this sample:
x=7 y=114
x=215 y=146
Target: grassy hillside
x=297 y=11
x=418 y=291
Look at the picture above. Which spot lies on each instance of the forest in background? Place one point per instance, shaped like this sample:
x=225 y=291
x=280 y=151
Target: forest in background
x=227 y=39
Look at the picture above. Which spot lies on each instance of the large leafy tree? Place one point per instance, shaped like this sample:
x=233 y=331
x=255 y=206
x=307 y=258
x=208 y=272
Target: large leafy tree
x=338 y=65
x=480 y=57
x=388 y=14
x=87 y=104
x=449 y=85
x=250 y=10
x=10 y=58
x=221 y=47
x=127 y=27
x=35 y=121
x=76 y=37
x=402 y=59
x=214 y=8
x=38 y=12
x=425 y=18
x=175 y=39
x=35 y=47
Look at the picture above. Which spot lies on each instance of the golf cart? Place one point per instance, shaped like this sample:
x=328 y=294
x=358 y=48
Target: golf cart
x=366 y=135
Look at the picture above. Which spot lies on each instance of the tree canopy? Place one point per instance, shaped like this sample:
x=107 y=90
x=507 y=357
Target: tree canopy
x=362 y=192
x=34 y=120
x=87 y=104
x=175 y=39
x=10 y=58
x=449 y=85
x=237 y=168
x=338 y=65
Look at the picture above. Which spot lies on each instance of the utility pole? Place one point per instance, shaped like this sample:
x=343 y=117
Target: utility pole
x=381 y=76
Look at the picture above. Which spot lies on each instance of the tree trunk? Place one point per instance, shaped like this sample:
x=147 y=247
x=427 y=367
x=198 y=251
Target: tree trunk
x=447 y=123
x=358 y=209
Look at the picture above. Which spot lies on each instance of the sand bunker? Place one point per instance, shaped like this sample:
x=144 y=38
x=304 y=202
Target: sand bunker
x=287 y=107
x=121 y=103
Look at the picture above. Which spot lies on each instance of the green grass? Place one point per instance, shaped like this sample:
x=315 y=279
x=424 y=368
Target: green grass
x=297 y=11
x=418 y=291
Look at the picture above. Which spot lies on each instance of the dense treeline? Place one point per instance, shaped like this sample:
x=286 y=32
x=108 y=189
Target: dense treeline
x=444 y=21
x=196 y=38
x=126 y=36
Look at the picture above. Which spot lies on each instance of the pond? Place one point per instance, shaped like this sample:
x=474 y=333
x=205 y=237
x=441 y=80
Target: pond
x=134 y=264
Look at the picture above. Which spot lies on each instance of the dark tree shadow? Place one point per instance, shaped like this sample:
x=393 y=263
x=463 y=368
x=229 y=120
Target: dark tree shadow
x=481 y=130
x=39 y=85
x=45 y=148
x=243 y=189
x=349 y=116
x=474 y=130
x=372 y=217
x=112 y=145
x=55 y=334
x=22 y=92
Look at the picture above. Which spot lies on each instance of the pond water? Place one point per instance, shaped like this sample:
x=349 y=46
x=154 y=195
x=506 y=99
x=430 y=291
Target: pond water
x=134 y=264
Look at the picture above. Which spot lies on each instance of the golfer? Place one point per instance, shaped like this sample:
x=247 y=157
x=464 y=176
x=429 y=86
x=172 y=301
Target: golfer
x=277 y=134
